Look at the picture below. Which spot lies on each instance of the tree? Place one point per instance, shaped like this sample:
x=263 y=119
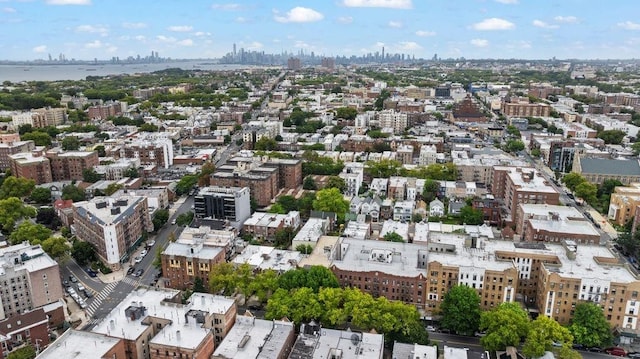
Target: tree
x=535 y=153
x=204 y=178
x=131 y=172
x=589 y=326
x=460 y=310
x=383 y=168
x=393 y=237
x=47 y=217
x=587 y=191
x=612 y=136
x=101 y=150
x=505 y=325
x=572 y=180
x=543 y=332
x=336 y=182
x=309 y=183
x=470 y=215
x=27 y=352
x=184 y=219
x=83 y=252
x=416 y=217
x=277 y=208
x=567 y=353
x=148 y=127
x=315 y=277
x=288 y=203
x=304 y=248
x=31 y=232
x=160 y=217
x=90 y=175
x=283 y=237
x=113 y=188
x=331 y=200
x=265 y=144
x=70 y=143
x=514 y=146
x=430 y=190
x=41 y=195
x=39 y=138
x=348 y=113
x=56 y=247
x=185 y=184
x=12 y=210
x=16 y=187
x=73 y=193
x=157 y=259
x=198 y=285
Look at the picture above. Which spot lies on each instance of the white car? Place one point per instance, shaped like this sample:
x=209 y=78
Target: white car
x=143 y=253
x=151 y=243
x=81 y=288
x=137 y=259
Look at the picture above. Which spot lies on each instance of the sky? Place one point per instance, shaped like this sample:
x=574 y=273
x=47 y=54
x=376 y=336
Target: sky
x=525 y=29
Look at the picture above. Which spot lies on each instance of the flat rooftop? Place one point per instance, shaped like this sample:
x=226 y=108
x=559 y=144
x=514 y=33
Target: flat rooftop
x=331 y=343
x=254 y=338
x=265 y=257
x=108 y=210
x=75 y=344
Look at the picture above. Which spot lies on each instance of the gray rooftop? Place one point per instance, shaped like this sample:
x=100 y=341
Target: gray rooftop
x=610 y=167
x=252 y=338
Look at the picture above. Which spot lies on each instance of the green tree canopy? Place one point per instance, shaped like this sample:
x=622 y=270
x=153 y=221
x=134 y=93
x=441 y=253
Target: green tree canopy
x=70 y=143
x=185 y=184
x=589 y=326
x=160 y=217
x=430 y=191
x=309 y=184
x=90 y=175
x=83 y=252
x=41 y=195
x=73 y=193
x=336 y=182
x=348 y=113
x=184 y=219
x=506 y=325
x=39 y=138
x=27 y=352
x=383 y=168
x=277 y=208
x=470 y=215
x=204 y=177
x=514 y=146
x=543 y=332
x=331 y=200
x=315 y=277
x=460 y=310
x=393 y=237
x=113 y=188
x=16 y=187
x=612 y=136
x=31 y=232
x=12 y=210
x=266 y=144
x=56 y=247
x=572 y=180
x=587 y=191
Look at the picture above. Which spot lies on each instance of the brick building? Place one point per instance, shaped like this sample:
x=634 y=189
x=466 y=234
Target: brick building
x=34 y=166
x=11 y=148
x=31 y=327
x=68 y=166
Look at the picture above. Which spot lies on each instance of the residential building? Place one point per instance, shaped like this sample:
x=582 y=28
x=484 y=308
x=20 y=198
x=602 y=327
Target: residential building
x=428 y=155
x=30 y=327
x=150 y=149
x=118 y=169
x=34 y=166
x=397 y=121
x=403 y=210
x=353 y=175
x=311 y=232
x=436 y=208
x=406 y=351
x=11 y=148
x=404 y=154
x=519 y=107
x=263 y=225
x=597 y=170
x=104 y=111
x=182 y=263
x=113 y=225
x=379 y=186
x=491 y=209
x=253 y=338
x=227 y=203
x=81 y=344
x=293 y=63
x=29 y=277
x=143 y=320
x=44 y=117
x=266 y=257
x=467 y=111
x=69 y=165
x=624 y=203
x=316 y=342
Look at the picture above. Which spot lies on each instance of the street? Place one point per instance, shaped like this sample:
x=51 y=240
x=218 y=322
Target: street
x=107 y=296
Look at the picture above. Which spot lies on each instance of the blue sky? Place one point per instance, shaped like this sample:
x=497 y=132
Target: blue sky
x=530 y=29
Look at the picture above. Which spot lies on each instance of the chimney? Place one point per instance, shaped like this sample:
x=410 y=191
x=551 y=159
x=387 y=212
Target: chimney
x=177 y=335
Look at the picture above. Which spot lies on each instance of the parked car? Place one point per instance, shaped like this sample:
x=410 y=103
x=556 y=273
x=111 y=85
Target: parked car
x=139 y=272
x=150 y=243
x=577 y=346
x=173 y=221
x=616 y=351
x=91 y=273
x=130 y=270
x=143 y=253
x=81 y=288
x=595 y=349
x=431 y=328
x=87 y=294
x=65 y=283
x=137 y=259
x=634 y=355
x=73 y=279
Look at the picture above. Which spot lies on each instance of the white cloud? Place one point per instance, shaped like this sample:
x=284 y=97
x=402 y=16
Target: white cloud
x=508 y=2
x=301 y=44
x=423 y=33
x=8 y=10
x=409 y=46
x=379 y=44
x=493 y=23
x=629 y=25
x=134 y=25
x=345 y=19
x=201 y=34
x=93 y=29
x=168 y=39
x=395 y=24
x=185 y=42
x=392 y=4
x=40 y=49
x=300 y=14
x=480 y=42
x=68 y=2
x=93 y=44
x=543 y=25
x=112 y=49
x=227 y=7
x=566 y=19
x=180 y=28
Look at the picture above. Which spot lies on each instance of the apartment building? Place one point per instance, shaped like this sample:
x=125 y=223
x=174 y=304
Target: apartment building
x=353 y=175
x=254 y=338
x=104 y=111
x=264 y=226
x=182 y=263
x=31 y=327
x=321 y=343
x=68 y=165
x=83 y=344
x=624 y=203
x=11 y=148
x=521 y=185
x=29 y=277
x=227 y=203
x=519 y=107
x=261 y=258
x=31 y=165
x=113 y=225
x=153 y=323
x=397 y=121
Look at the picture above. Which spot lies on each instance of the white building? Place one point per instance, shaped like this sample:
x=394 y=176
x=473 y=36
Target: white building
x=353 y=175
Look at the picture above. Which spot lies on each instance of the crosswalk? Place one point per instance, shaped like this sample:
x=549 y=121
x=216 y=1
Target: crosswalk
x=100 y=297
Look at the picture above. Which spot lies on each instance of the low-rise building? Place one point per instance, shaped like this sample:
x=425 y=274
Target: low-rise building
x=316 y=342
x=28 y=327
x=624 y=203
x=597 y=170
x=264 y=257
x=263 y=225
x=81 y=344
x=311 y=232
x=252 y=338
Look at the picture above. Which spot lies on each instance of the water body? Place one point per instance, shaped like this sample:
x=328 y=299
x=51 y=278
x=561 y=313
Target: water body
x=17 y=73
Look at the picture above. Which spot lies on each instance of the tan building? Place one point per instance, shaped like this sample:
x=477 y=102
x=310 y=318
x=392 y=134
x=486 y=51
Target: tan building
x=11 y=148
x=34 y=166
x=113 y=225
x=44 y=117
x=522 y=108
x=68 y=166
x=624 y=203
x=182 y=263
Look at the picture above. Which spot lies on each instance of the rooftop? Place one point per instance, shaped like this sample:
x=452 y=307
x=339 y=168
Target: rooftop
x=108 y=210
x=321 y=343
x=264 y=257
x=24 y=256
x=254 y=338
x=610 y=167
x=75 y=344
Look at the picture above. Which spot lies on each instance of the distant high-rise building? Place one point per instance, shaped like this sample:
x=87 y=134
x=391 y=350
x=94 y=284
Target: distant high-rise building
x=294 y=63
x=383 y=52
x=234 y=50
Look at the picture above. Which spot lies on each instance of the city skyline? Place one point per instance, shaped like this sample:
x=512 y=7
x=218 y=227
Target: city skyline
x=88 y=29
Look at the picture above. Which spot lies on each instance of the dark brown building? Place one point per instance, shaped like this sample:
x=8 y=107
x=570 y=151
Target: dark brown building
x=27 y=328
x=68 y=166
x=468 y=111
x=34 y=166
